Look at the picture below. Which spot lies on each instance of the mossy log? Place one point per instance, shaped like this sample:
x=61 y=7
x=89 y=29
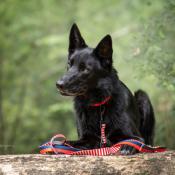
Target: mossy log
x=143 y=164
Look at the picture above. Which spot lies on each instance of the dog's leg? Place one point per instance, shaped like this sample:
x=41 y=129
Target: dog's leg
x=85 y=143
x=125 y=149
x=129 y=150
x=82 y=144
x=147 y=116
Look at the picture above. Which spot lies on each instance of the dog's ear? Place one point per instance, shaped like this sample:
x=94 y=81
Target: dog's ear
x=75 y=39
x=104 y=48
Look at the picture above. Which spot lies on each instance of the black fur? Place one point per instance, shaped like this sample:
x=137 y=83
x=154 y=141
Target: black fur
x=90 y=79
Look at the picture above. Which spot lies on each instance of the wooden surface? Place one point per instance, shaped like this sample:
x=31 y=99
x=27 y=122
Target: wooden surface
x=143 y=164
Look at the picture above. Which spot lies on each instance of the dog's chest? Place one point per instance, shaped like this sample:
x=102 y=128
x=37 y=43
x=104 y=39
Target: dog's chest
x=92 y=120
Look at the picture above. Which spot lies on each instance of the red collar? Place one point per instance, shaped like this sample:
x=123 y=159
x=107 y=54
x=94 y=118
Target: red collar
x=102 y=102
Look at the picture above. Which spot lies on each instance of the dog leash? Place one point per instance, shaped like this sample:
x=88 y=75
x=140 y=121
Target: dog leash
x=102 y=123
x=61 y=147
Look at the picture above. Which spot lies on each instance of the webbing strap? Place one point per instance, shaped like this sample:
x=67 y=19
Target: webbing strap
x=103 y=137
x=57 y=147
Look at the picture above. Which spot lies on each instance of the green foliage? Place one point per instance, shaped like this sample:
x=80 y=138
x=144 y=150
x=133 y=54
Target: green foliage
x=157 y=46
x=156 y=58
x=33 y=51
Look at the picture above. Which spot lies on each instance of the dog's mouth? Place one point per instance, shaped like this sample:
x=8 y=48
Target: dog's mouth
x=71 y=93
x=75 y=89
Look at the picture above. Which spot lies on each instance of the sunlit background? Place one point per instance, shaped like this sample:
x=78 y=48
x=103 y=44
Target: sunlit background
x=33 y=54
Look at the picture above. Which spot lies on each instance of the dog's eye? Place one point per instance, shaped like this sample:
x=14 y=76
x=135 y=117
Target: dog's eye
x=82 y=67
x=70 y=63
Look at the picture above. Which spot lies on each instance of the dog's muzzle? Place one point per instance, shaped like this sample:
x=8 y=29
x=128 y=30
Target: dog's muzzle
x=60 y=84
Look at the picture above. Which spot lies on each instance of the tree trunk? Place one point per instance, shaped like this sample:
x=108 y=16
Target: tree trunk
x=1 y=110
x=153 y=163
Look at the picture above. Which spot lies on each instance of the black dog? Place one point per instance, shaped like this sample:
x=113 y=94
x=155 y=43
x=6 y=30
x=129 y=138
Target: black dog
x=100 y=97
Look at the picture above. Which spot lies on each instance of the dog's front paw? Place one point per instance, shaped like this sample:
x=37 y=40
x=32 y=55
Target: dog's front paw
x=127 y=150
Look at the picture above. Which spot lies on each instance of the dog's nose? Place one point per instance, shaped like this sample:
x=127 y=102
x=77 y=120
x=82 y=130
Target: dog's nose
x=60 y=84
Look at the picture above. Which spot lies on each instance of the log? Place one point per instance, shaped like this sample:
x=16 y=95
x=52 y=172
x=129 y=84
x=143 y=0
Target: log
x=143 y=164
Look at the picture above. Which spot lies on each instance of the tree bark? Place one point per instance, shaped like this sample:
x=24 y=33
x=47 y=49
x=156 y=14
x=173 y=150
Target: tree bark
x=145 y=164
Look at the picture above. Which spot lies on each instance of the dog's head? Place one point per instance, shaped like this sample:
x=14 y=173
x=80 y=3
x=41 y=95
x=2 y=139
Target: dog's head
x=86 y=66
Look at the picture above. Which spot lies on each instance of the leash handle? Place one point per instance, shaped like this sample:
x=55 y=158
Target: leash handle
x=61 y=141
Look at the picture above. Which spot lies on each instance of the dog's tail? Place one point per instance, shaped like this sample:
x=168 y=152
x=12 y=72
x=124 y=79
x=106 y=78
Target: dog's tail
x=147 y=116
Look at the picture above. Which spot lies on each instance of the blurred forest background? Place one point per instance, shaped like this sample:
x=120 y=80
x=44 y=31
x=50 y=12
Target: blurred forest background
x=33 y=55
